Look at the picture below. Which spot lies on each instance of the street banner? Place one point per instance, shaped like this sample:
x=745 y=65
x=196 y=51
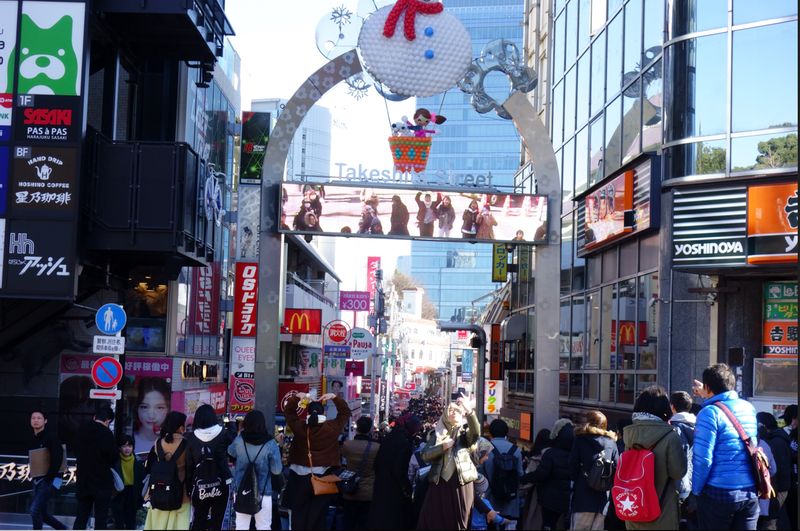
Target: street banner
x=494 y=397
x=245 y=298
x=499 y=263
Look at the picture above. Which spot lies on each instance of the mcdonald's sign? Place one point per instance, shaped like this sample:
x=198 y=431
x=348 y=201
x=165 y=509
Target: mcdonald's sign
x=627 y=333
x=303 y=321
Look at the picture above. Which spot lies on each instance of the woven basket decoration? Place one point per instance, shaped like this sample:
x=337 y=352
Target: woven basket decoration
x=410 y=153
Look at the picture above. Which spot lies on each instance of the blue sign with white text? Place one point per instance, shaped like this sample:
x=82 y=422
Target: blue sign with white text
x=110 y=319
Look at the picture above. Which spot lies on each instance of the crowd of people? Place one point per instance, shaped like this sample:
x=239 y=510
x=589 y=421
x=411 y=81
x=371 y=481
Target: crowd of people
x=677 y=463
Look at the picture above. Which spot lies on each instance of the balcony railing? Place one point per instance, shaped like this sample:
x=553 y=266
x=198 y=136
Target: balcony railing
x=146 y=198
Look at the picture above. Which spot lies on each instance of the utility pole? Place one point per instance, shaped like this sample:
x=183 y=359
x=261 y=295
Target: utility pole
x=379 y=323
x=480 y=373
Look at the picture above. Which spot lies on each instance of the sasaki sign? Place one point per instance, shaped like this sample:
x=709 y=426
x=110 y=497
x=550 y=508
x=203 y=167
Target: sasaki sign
x=494 y=397
x=303 y=321
x=245 y=297
x=337 y=332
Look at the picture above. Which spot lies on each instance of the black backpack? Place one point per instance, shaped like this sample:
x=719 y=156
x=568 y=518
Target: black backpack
x=166 y=488
x=504 y=481
x=248 y=494
x=600 y=475
x=208 y=482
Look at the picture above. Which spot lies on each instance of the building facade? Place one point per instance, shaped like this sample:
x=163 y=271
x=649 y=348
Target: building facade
x=679 y=183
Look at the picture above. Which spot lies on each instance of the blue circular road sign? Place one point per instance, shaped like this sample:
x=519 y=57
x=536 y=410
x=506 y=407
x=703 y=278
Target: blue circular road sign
x=110 y=319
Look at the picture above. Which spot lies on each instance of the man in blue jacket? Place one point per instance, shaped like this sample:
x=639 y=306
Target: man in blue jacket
x=722 y=477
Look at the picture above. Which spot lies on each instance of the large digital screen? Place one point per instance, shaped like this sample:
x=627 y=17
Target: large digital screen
x=413 y=214
x=609 y=210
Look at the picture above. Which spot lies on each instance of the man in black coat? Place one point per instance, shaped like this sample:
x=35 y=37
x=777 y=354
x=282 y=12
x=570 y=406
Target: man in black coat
x=48 y=484
x=97 y=454
x=780 y=445
x=552 y=476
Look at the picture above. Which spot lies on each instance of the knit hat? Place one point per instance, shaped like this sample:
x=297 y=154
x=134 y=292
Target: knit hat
x=481 y=485
x=560 y=423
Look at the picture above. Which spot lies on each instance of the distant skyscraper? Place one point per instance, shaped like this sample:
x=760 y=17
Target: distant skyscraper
x=454 y=275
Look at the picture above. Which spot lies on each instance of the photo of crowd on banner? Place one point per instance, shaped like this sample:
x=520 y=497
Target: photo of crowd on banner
x=609 y=210
x=414 y=214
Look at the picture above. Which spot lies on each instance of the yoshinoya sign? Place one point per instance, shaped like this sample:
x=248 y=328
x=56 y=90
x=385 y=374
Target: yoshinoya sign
x=44 y=182
x=735 y=226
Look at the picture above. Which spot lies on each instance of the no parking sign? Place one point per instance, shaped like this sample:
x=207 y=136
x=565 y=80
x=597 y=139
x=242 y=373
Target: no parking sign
x=106 y=372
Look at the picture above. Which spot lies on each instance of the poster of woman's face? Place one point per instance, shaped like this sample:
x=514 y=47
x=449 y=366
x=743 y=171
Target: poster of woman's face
x=151 y=404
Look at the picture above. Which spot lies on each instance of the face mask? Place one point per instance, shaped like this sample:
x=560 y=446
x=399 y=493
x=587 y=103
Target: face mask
x=428 y=204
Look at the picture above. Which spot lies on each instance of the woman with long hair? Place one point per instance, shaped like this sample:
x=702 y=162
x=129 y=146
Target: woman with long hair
x=151 y=408
x=449 y=451
x=531 y=514
x=173 y=445
x=256 y=445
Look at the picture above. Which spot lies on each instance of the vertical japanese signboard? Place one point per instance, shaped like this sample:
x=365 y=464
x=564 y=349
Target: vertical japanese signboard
x=41 y=118
x=204 y=309
x=780 y=319
x=373 y=264
x=245 y=300
x=255 y=135
x=499 y=263
x=243 y=343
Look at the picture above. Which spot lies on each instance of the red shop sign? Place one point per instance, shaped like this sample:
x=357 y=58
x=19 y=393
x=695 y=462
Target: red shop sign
x=245 y=299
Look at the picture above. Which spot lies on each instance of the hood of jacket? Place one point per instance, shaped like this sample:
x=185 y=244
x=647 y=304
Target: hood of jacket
x=207 y=434
x=593 y=431
x=645 y=433
x=685 y=417
x=565 y=438
x=779 y=433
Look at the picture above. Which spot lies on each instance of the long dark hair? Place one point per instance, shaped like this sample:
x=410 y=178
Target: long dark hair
x=255 y=423
x=541 y=442
x=146 y=385
x=174 y=421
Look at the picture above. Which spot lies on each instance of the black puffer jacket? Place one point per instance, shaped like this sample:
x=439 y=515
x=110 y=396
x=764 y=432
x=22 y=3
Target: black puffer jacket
x=552 y=475
x=780 y=444
x=589 y=441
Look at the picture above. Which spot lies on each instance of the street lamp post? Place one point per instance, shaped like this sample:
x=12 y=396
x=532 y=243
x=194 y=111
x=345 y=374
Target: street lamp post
x=481 y=370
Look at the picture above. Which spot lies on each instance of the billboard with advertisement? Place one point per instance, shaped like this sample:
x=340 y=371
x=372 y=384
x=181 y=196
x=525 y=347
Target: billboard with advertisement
x=373 y=265
x=417 y=214
x=248 y=221
x=609 y=211
x=354 y=301
x=780 y=319
x=204 y=300
x=39 y=259
x=772 y=223
x=255 y=136
x=44 y=182
x=245 y=298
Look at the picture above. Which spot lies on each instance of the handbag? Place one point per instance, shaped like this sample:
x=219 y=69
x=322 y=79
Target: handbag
x=119 y=485
x=350 y=480
x=322 y=485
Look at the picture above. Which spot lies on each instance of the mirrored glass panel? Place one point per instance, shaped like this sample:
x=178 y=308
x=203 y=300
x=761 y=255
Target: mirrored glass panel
x=608 y=328
x=752 y=10
x=614 y=57
x=613 y=136
x=596 y=150
x=689 y=16
x=581 y=160
x=582 y=105
x=652 y=107
x=765 y=77
x=569 y=102
x=598 y=73
x=762 y=152
x=631 y=122
x=632 y=64
x=577 y=346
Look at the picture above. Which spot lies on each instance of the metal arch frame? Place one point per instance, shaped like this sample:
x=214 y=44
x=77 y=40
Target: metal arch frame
x=271 y=248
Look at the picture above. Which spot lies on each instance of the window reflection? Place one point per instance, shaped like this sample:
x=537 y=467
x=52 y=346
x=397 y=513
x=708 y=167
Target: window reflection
x=633 y=37
x=652 y=108
x=753 y=10
x=653 y=30
x=699 y=78
x=571 y=32
x=701 y=158
x=764 y=152
x=614 y=57
x=593 y=325
x=558 y=46
x=558 y=113
x=689 y=16
x=608 y=328
x=591 y=386
x=596 y=150
x=608 y=383
x=581 y=160
x=630 y=327
x=598 y=73
x=625 y=388
x=578 y=339
x=569 y=103
x=649 y=307
x=582 y=104
x=584 y=13
x=759 y=69
x=568 y=169
x=613 y=137
x=567 y=238
x=631 y=124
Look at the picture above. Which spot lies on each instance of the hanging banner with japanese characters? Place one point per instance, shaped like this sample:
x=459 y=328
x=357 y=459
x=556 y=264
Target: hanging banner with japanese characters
x=780 y=319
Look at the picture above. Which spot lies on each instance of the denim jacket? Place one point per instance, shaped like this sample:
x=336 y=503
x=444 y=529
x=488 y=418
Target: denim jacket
x=268 y=462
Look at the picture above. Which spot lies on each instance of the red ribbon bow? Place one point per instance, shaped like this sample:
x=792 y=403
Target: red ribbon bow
x=411 y=8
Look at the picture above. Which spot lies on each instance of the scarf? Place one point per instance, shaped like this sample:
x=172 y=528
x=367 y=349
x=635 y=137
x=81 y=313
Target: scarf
x=126 y=464
x=411 y=8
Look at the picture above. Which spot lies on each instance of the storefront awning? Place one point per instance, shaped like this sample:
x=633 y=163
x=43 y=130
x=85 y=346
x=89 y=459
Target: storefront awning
x=513 y=327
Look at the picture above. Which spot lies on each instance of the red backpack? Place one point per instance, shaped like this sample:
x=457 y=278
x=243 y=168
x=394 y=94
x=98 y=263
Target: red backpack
x=634 y=492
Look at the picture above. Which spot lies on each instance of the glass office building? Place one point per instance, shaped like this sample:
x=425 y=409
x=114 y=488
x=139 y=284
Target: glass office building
x=455 y=275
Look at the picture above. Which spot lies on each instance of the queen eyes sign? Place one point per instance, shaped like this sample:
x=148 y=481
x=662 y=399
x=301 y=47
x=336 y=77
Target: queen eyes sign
x=413 y=214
